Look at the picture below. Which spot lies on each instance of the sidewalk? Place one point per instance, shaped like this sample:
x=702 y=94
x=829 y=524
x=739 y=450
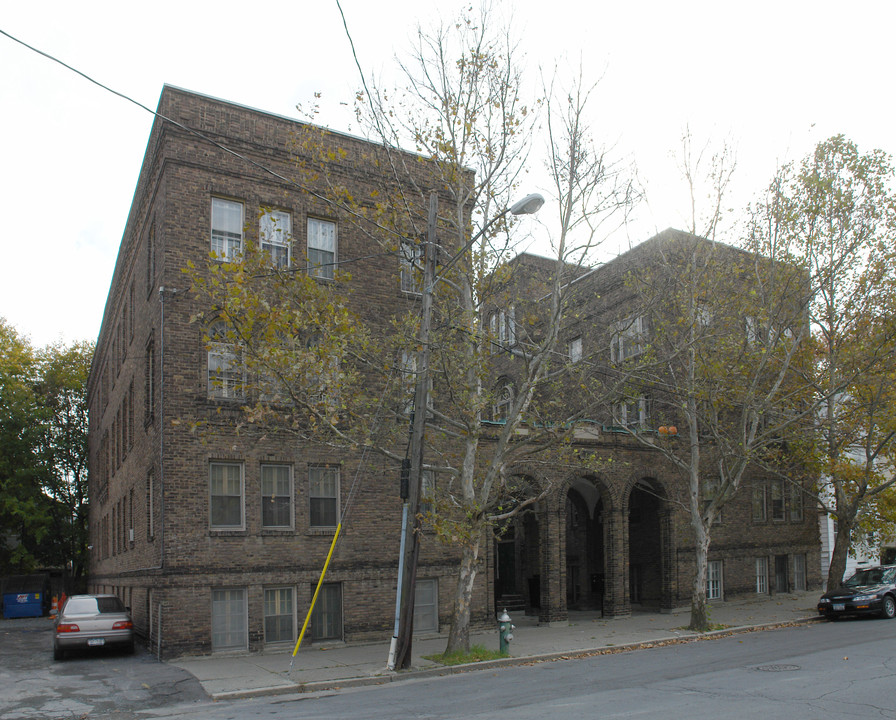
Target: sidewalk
x=320 y=668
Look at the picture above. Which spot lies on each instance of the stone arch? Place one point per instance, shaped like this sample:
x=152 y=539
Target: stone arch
x=587 y=505
x=648 y=524
x=518 y=551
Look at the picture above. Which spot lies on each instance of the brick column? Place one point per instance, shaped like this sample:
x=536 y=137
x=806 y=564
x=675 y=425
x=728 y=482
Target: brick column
x=616 y=601
x=553 y=565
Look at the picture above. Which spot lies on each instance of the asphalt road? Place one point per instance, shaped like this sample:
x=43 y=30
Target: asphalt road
x=104 y=684
x=818 y=671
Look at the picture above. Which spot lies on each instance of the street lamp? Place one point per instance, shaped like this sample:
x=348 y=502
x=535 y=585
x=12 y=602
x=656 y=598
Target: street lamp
x=400 y=648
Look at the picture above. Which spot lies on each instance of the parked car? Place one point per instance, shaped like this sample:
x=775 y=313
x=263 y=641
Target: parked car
x=870 y=591
x=92 y=621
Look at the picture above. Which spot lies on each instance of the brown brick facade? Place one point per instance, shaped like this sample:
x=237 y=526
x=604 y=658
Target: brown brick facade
x=156 y=437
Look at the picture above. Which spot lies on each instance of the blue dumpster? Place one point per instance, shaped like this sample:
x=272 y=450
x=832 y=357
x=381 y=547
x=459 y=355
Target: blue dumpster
x=19 y=605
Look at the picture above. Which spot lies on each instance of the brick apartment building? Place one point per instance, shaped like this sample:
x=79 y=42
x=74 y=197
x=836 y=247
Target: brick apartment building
x=215 y=538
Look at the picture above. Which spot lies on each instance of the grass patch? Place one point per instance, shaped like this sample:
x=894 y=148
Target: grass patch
x=477 y=653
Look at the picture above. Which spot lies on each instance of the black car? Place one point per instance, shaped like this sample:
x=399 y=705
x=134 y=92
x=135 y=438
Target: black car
x=870 y=591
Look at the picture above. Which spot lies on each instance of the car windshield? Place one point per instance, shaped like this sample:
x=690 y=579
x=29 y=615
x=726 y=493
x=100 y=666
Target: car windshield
x=871 y=576
x=92 y=606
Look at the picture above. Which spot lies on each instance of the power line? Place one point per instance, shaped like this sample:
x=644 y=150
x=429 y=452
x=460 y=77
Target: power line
x=201 y=135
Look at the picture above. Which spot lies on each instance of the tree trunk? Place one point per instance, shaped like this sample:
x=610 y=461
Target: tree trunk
x=839 y=553
x=459 y=637
x=699 y=612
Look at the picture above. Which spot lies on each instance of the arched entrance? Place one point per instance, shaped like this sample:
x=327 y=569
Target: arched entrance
x=585 y=547
x=647 y=520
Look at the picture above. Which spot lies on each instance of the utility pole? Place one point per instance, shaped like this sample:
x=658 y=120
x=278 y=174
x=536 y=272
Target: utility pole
x=415 y=452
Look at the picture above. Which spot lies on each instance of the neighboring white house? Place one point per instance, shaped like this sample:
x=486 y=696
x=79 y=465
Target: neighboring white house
x=862 y=553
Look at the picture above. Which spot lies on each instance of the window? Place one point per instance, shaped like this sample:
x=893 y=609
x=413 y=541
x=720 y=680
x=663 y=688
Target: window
x=799 y=572
x=411 y=260
x=796 y=503
x=229 y=620
x=324 y=493
x=276 y=496
x=761 y=575
x=712 y=486
x=149 y=383
x=503 y=402
x=631 y=413
x=777 y=501
x=321 y=248
x=714 y=580
x=226 y=495
x=628 y=339
x=227 y=229
x=326 y=620
x=427 y=491
x=274 y=232
x=760 y=502
x=409 y=383
x=502 y=324
x=226 y=375
x=426 y=606
x=150 y=505
x=574 y=350
x=151 y=259
x=279 y=615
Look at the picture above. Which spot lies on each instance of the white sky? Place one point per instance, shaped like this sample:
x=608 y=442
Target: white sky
x=774 y=77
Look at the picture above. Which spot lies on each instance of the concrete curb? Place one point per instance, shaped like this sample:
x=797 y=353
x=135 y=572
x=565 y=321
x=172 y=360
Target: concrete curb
x=396 y=676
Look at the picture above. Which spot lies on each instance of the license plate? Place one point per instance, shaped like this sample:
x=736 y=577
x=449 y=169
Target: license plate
x=839 y=607
x=93 y=642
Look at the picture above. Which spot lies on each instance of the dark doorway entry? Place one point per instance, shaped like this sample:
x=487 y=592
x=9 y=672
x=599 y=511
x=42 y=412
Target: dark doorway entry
x=781 y=579
x=585 y=567
x=645 y=572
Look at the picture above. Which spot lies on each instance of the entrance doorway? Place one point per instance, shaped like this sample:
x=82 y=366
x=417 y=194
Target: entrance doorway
x=645 y=547
x=585 y=543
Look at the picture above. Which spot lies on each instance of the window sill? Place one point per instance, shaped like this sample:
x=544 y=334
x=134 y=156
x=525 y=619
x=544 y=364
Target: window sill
x=321 y=531
x=227 y=532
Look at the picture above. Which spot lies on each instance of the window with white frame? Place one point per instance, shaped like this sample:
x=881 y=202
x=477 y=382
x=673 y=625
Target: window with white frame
x=426 y=606
x=796 y=503
x=502 y=325
x=276 y=496
x=760 y=502
x=762 y=575
x=279 y=615
x=326 y=620
x=411 y=266
x=714 y=580
x=323 y=491
x=777 y=500
x=631 y=413
x=275 y=232
x=712 y=486
x=427 y=491
x=409 y=383
x=230 y=620
x=227 y=229
x=226 y=374
x=226 y=495
x=503 y=402
x=574 y=350
x=321 y=248
x=629 y=338
x=799 y=572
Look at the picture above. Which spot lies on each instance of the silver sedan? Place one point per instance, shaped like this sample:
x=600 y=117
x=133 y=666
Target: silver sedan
x=92 y=621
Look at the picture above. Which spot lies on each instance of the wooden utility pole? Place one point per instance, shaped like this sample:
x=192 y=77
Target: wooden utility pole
x=415 y=453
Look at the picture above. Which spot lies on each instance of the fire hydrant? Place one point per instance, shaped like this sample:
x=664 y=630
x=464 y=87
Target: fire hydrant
x=505 y=631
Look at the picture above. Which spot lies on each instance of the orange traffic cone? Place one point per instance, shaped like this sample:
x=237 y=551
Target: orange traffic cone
x=54 y=608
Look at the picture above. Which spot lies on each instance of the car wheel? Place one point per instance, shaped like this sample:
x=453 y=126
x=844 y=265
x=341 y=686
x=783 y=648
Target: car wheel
x=888 y=610
x=58 y=653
